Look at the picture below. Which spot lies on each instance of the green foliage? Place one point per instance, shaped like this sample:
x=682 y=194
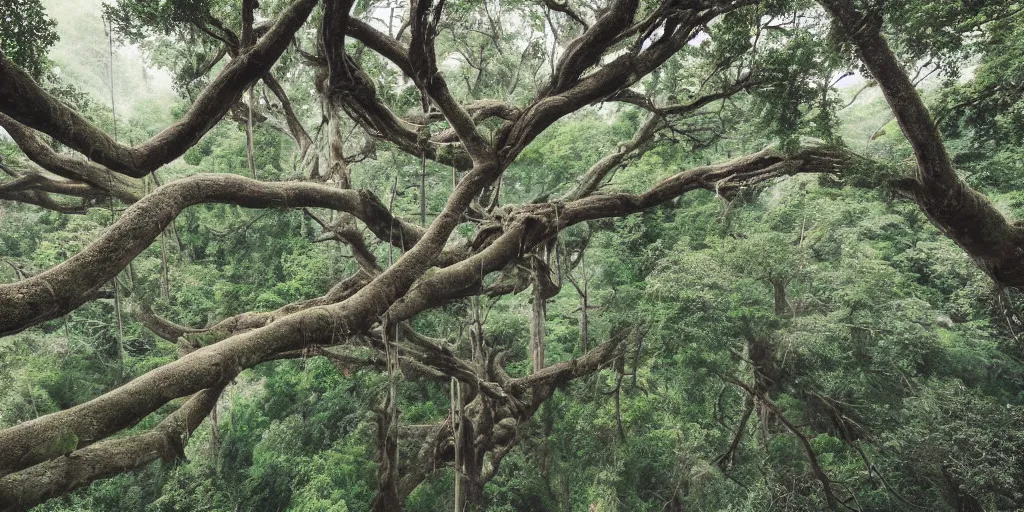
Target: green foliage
x=26 y=34
x=896 y=359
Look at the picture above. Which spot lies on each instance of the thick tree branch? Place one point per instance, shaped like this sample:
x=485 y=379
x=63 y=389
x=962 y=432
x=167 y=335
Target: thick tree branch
x=423 y=60
x=43 y=200
x=24 y=101
x=165 y=329
x=65 y=287
x=210 y=366
x=723 y=179
x=966 y=216
x=194 y=339
x=560 y=373
x=25 y=489
x=41 y=439
x=354 y=92
x=585 y=51
x=36 y=441
x=569 y=93
x=381 y=43
x=124 y=188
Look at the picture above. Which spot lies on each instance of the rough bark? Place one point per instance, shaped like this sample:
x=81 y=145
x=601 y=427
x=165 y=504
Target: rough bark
x=121 y=187
x=65 y=287
x=24 y=101
x=387 y=298
x=963 y=214
x=495 y=404
x=25 y=489
x=568 y=94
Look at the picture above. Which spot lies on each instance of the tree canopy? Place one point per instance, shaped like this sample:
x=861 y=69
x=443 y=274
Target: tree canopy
x=502 y=255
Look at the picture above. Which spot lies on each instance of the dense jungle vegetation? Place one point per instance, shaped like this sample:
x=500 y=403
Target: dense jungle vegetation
x=591 y=255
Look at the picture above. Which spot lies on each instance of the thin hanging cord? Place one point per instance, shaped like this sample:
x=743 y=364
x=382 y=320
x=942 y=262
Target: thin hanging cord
x=110 y=43
x=391 y=226
x=117 y=290
x=423 y=191
x=165 y=282
x=248 y=136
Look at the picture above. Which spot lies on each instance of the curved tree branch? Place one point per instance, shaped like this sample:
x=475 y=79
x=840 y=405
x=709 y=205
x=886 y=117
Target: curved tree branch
x=24 y=101
x=569 y=92
x=63 y=288
x=963 y=214
x=387 y=300
x=124 y=188
x=25 y=489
